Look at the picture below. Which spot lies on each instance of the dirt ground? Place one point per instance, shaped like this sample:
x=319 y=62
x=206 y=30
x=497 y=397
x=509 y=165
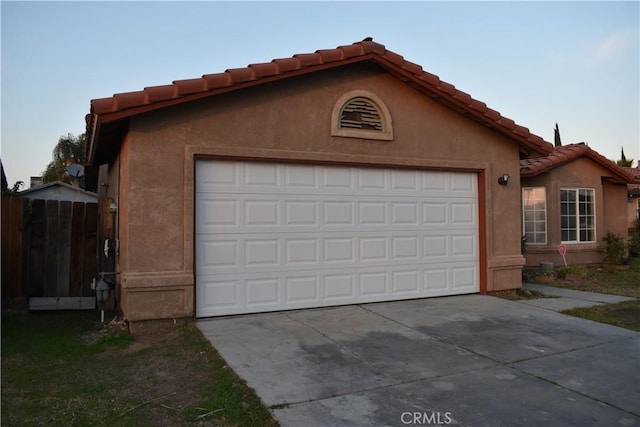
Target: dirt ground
x=166 y=370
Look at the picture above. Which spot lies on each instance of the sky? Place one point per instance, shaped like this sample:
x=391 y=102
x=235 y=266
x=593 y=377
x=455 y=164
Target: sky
x=538 y=63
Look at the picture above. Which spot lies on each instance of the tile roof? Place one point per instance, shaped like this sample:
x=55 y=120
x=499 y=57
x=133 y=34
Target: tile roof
x=634 y=187
x=121 y=106
x=567 y=153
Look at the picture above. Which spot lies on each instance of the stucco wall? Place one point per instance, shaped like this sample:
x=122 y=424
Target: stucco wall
x=291 y=120
x=610 y=200
x=633 y=207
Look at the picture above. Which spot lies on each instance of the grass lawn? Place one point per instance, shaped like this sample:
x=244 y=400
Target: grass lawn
x=62 y=369
x=594 y=279
x=620 y=282
x=625 y=314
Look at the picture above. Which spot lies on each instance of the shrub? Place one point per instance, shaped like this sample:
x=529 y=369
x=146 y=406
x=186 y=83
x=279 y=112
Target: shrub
x=614 y=251
x=577 y=270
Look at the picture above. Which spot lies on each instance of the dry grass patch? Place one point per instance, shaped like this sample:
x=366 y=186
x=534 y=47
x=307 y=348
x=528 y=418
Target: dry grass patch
x=63 y=368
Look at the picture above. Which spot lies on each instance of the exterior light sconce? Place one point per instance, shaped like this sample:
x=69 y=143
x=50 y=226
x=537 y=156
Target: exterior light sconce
x=504 y=179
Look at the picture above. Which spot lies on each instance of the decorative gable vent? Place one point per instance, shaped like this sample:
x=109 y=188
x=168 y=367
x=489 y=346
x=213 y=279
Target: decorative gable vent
x=361 y=114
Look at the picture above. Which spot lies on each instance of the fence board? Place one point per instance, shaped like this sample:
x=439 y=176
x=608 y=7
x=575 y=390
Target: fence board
x=51 y=245
x=49 y=248
x=77 y=250
x=11 y=247
x=64 y=249
x=35 y=246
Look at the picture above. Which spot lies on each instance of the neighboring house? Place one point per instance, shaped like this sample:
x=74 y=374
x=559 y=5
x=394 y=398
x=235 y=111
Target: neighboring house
x=574 y=196
x=59 y=191
x=343 y=176
x=633 y=196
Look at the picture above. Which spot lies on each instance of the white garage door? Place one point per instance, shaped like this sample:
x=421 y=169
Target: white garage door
x=275 y=236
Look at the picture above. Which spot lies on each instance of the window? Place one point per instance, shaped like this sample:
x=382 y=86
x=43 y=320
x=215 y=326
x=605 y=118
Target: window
x=534 y=212
x=361 y=114
x=577 y=215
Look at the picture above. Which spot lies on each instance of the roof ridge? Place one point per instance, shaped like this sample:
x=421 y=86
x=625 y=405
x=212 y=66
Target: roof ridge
x=123 y=105
x=566 y=153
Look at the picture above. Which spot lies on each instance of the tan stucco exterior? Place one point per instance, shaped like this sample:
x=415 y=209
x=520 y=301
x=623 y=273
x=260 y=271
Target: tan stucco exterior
x=290 y=120
x=633 y=210
x=610 y=211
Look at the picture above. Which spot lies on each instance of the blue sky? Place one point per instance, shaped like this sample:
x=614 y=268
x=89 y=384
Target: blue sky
x=538 y=63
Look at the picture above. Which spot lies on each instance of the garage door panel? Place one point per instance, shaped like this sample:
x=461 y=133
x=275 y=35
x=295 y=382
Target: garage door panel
x=284 y=236
x=250 y=293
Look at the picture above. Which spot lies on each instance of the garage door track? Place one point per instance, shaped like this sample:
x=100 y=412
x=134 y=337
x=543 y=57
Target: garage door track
x=469 y=360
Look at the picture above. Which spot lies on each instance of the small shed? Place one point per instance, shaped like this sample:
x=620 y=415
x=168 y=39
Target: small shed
x=60 y=191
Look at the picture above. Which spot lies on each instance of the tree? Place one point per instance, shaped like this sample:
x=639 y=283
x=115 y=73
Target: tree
x=68 y=150
x=623 y=160
x=556 y=137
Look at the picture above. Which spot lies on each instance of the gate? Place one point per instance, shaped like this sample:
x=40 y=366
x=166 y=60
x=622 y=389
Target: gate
x=49 y=248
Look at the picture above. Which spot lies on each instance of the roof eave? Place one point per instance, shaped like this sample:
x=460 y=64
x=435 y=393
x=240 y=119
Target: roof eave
x=116 y=111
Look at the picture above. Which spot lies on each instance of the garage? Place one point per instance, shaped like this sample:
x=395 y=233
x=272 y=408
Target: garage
x=278 y=236
x=342 y=176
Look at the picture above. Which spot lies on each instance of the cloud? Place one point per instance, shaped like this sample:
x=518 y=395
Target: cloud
x=616 y=45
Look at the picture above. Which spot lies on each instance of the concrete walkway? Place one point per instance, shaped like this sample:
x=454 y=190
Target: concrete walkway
x=468 y=360
x=569 y=298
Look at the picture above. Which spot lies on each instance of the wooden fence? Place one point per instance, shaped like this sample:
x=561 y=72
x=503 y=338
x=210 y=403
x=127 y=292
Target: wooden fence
x=49 y=248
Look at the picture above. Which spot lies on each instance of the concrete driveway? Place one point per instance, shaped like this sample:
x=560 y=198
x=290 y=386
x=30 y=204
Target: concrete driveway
x=469 y=360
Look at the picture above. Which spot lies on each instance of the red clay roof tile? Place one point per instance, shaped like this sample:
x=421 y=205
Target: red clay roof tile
x=463 y=97
x=352 y=50
x=215 y=81
x=478 y=105
x=635 y=186
x=131 y=99
x=103 y=105
x=287 y=64
x=122 y=106
x=565 y=154
x=240 y=75
x=160 y=93
x=373 y=47
x=331 y=55
x=395 y=58
x=308 y=59
x=412 y=68
x=447 y=88
x=431 y=79
x=187 y=87
x=492 y=114
x=264 y=70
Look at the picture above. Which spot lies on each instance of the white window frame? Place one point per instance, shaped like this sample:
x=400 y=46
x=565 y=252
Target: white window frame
x=534 y=212
x=578 y=215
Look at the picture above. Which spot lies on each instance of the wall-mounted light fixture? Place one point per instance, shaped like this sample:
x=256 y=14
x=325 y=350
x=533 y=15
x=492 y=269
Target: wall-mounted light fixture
x=504 y=179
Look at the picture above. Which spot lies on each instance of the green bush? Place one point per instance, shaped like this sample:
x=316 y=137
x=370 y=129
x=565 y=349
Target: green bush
x=577 y=270
x=614 y=251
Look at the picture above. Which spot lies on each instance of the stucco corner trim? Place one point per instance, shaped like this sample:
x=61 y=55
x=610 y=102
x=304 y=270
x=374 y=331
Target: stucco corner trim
x=506 y=262
x=156 y=280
